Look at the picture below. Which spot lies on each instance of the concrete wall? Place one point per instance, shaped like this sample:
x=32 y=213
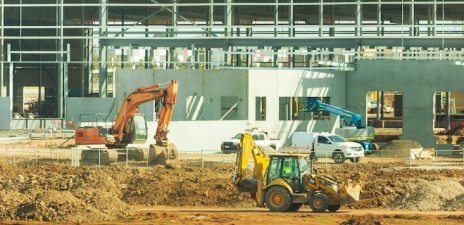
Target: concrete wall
x=205 y=86
x=5 y=118
x=77 y=106
x=199 y=135
x=418 y=80
x=273 y=84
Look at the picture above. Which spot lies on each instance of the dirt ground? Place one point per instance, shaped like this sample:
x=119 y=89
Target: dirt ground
x=61 y=193
x=46 y=193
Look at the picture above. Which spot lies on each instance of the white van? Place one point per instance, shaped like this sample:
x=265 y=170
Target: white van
x=323 y=145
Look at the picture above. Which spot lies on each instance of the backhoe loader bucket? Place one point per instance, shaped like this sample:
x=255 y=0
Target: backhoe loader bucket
x=350 y=192
x=165 y=156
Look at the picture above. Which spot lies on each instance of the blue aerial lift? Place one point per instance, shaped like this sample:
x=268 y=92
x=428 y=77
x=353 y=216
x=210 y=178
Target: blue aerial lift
x=353 y=128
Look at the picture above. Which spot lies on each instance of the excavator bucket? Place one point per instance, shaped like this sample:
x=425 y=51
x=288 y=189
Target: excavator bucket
x=165 y=156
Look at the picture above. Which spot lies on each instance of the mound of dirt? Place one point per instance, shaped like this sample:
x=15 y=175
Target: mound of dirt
x=59 y=193
x=425 y=195
x=385 y=186
x=363 y=220
x=401 y=145
x=63 y=193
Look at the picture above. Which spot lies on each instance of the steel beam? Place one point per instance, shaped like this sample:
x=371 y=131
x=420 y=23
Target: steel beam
x=333 y=42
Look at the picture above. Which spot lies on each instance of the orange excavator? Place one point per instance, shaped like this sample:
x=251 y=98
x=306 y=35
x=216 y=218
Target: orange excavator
x=130 y=127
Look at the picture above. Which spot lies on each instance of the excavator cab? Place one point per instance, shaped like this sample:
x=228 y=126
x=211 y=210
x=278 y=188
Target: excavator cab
x=136 y=129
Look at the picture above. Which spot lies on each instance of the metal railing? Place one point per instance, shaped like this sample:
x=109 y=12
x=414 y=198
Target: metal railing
x=27 y=155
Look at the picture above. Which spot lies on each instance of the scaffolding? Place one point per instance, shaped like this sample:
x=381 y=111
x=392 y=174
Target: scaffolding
x=106 y=35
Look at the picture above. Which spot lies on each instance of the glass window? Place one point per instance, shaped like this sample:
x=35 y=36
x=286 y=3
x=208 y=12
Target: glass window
x=259 y=137
x=274 y=169
x=304 y=166
x=237 y=136
x=337 y=138
x=289 y=167
x=322 y=140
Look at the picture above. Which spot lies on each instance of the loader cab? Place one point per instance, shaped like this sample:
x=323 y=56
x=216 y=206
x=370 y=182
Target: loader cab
x=290 y=168
x=136 y=129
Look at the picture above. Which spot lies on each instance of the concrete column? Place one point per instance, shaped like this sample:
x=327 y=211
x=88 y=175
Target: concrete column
x=275 y=56
x=411 y=19
x=83 y=44
x=208 y=58
x=448 y=110
x=10 y=77
x=291 y=23
x=382 y=102
x=321 y=18
x=308 y=57
x=379 y=17
x=60 y=93
x=276 y=18
x=102 y=50
x=122 y=35
x=90 y=59
x=2 y=42
x=432 y=18
x=210 y=18
x=291 y=57
x=359 y=18
x=228 y=30
x=147 y=52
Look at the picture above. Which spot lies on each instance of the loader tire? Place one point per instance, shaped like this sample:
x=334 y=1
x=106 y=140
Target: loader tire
x=333 y=208
x=278 y=199
x=295 y=207
x=319 y=202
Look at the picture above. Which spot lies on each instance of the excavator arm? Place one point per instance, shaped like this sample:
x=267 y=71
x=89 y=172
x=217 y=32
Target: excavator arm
x=131 y=104
x=261 y=162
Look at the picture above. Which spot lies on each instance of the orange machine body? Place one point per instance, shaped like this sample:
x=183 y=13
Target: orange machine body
x=90 y=135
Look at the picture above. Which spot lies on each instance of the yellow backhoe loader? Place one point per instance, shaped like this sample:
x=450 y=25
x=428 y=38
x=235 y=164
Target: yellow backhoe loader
x=284 y=182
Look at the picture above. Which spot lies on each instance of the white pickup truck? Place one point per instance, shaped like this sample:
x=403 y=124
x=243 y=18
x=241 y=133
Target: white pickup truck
x=325 y=145
x=260 y=139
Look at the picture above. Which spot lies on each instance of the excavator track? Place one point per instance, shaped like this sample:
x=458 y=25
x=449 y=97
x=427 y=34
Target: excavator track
x=165 y=156
x=99 y=156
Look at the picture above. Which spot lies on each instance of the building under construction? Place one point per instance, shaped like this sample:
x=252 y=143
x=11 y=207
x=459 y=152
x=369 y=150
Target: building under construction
x=240 y=63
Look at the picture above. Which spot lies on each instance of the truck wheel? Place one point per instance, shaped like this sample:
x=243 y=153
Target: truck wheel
x=355 y=160
x=319 y=202
x=278 y=199
x=333 y=208
x=295 y=207
x=338 y=157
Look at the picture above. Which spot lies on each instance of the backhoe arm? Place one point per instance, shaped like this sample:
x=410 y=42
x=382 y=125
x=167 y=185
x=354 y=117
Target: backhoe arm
x=261 y=162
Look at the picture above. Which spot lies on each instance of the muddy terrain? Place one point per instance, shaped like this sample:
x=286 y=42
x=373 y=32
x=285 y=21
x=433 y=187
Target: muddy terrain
x=49 y=192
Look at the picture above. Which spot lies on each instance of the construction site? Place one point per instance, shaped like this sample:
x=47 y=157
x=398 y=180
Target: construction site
x=347 y=112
